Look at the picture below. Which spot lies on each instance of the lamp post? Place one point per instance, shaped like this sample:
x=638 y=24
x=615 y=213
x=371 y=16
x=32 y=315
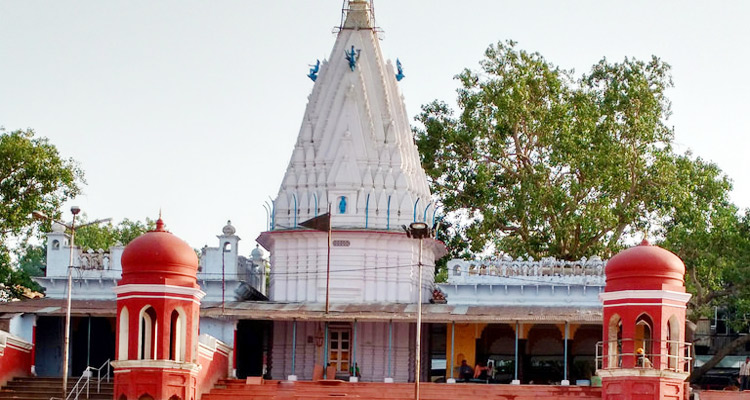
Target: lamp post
x=420 y=231
x=75 y=210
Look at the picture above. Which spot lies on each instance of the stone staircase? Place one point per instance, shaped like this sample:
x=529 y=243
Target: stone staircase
x=228 y=389
x=34 y=388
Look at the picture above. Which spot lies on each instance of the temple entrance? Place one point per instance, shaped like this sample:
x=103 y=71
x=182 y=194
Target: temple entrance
x=49 y=344
x=252 y=347
x=92 y=342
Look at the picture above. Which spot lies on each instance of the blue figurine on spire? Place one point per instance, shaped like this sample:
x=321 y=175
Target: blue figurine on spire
x=352 y=56
x=314 y=71
x=400 y=70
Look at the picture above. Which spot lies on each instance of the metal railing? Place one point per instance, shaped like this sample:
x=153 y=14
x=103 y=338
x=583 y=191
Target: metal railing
x=84 y=382
x=667 y=355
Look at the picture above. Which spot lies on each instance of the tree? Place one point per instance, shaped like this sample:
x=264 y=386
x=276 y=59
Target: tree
x=104 y=236
x=33 y=176
x=540 y=164
x=713 y=240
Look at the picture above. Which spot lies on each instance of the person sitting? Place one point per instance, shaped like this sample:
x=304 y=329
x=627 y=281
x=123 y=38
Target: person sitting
x=465 y=372
x=481 y=372
x=642 y=361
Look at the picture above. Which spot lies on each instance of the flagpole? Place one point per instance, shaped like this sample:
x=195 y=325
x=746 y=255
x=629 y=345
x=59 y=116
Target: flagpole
x=328 y=263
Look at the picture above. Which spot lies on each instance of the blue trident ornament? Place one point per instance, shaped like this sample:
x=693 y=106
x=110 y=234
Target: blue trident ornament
x=400 y=70
x=313 y=75
x=352 y=56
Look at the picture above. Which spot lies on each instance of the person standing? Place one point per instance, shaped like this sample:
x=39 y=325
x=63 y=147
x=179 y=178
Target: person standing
x=745 y=374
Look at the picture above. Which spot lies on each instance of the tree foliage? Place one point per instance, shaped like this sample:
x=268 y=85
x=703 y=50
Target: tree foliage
x=33 y=176
x=104 y=236
x=541 y=164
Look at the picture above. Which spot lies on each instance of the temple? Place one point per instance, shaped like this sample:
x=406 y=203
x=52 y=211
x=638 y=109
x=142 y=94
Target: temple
x=339 y=299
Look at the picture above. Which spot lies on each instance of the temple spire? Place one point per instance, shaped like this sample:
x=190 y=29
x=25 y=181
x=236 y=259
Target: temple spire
x=357 y=14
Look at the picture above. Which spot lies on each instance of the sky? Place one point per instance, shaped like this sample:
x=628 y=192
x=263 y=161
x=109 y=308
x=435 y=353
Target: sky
x=193 y=107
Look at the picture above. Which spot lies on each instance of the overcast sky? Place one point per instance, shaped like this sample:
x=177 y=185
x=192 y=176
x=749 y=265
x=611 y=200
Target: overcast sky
x=194 y=106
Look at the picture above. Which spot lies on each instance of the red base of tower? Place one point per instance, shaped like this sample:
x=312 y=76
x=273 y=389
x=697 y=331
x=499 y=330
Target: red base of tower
x=158 y=381
x=644 y=387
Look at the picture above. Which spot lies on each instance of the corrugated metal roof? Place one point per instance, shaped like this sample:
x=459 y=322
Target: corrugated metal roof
x=405 y=312
x=265 y=310
x=49 y=306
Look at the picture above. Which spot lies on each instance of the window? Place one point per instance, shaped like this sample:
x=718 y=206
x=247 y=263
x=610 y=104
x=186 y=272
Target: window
x=55 y=245
x=177 y=335
x=339 y=348
x=148 y=334
x=643 y=331
x=122 y=349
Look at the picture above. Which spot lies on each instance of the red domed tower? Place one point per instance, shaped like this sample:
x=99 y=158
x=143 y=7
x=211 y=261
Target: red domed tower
x=644 y=354
x=158 y=301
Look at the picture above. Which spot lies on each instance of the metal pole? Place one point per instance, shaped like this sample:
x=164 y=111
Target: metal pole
x=565 y=356
x=294 y=343
x=515 y=361
x=328 y=262
x=453 y=344
x=325 y=353
x=417 y=358
x=390 y=345
x=88 y=344
x=353 y=366
x=66 y=334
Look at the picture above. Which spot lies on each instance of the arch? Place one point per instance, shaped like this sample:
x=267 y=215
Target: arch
x=614 y=341
x=227 y=247
x=177 y=334
x=123 y=336
x=148 y=332
x=673 y=343
x=175 y=397
x=644 y=328
x=55 y=244
x=145 y=396
x=122 y=397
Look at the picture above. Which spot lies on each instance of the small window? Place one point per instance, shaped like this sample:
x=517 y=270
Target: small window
x=55 y=245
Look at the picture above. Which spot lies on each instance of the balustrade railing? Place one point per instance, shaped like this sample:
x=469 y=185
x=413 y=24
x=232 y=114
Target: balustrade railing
x=520 y=271
x=668 y=355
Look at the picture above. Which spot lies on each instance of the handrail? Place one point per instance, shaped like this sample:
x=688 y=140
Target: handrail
x=87 y=373
x=76 y=391
x=669 y=355
x=99 y=375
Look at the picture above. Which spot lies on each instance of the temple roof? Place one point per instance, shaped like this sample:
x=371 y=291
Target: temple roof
x=355 y=141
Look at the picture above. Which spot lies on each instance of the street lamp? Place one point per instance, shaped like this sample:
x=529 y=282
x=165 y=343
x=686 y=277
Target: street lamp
x=420 y=231
x=75 y=210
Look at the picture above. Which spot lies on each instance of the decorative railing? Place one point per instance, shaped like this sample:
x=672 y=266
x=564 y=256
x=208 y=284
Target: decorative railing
x=666 y=355
x=588 y=271
x=91 y=259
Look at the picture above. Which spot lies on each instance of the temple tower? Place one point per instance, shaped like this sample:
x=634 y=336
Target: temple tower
x=158 y=301
x=643 y=353
x=355 y=153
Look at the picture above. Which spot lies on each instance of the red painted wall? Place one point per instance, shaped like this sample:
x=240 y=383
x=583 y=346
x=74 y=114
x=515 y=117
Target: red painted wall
x=14 y=360
x=214 y=366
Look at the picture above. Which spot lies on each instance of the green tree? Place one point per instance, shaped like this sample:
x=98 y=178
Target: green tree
x=104 y=236
x=33 y=176
x=541 y=164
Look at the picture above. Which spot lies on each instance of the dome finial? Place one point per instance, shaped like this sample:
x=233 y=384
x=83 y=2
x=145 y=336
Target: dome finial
x=159 y=223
